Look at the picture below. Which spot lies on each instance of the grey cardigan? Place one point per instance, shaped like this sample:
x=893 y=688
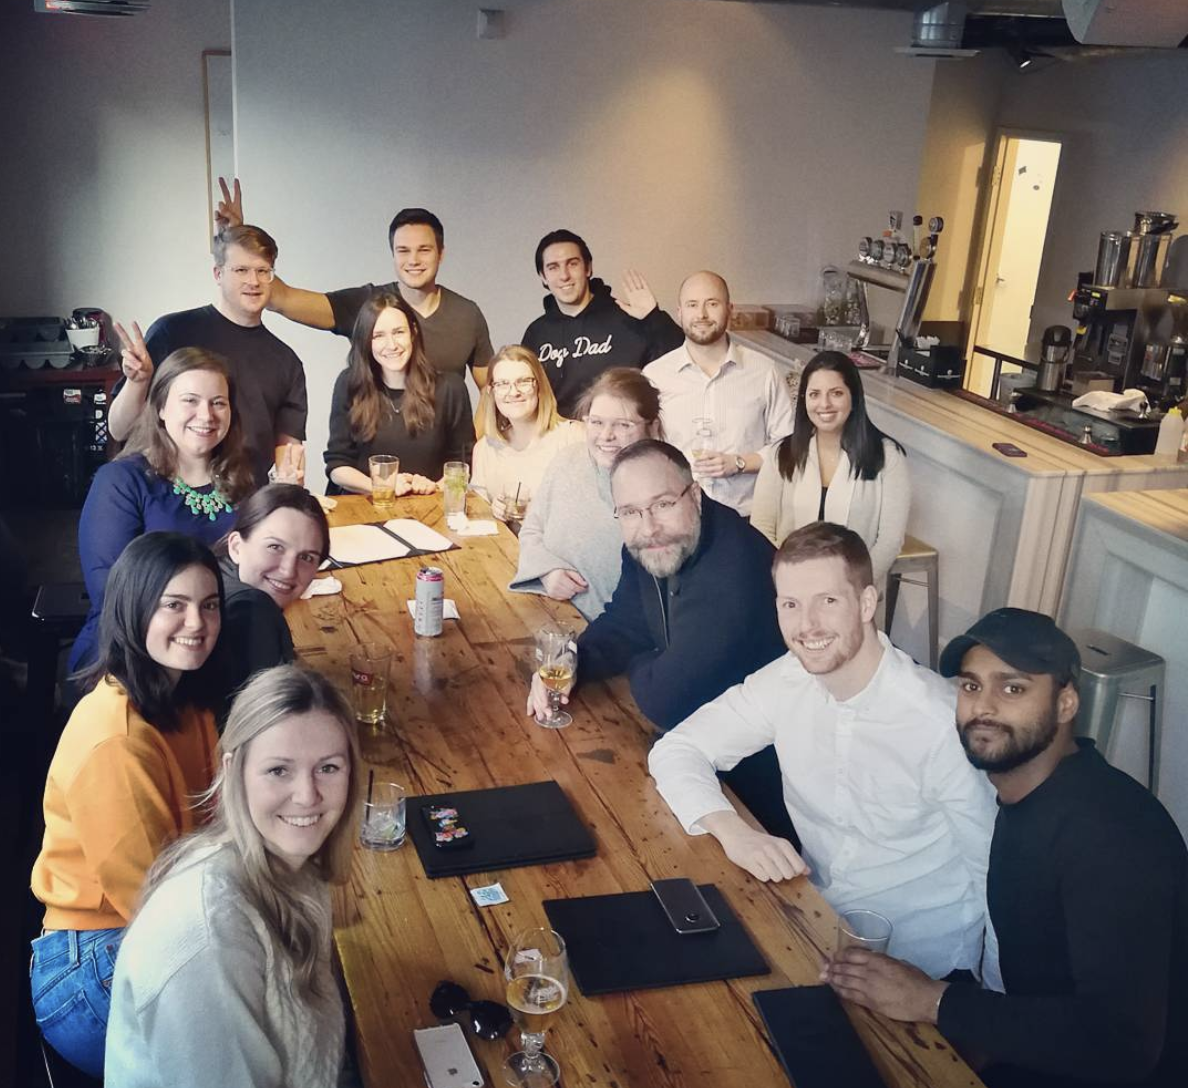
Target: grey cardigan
x=877 y=510
x=571 y=525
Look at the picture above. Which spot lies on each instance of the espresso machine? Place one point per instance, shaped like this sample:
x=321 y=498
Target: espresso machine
x=1121 y=307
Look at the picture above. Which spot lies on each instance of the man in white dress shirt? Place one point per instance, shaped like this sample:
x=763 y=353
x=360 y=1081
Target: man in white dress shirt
x=722 y=404
x=891 y=815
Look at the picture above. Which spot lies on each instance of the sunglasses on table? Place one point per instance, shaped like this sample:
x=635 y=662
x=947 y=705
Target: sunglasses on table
x=487 y=1019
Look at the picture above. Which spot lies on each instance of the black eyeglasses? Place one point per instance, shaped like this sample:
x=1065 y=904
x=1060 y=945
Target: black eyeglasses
x=487 y=1019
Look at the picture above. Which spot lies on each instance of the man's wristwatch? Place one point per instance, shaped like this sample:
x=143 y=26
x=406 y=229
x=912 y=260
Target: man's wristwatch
x=740 y=463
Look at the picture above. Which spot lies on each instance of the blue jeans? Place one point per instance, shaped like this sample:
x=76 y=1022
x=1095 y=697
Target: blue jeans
x=70 y=977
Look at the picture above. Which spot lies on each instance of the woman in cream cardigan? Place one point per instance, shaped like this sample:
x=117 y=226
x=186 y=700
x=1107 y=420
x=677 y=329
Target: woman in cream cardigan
x=836 y=466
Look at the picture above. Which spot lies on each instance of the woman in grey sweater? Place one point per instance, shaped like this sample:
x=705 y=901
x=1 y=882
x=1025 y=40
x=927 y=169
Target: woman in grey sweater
x=224 y=976
x=570 y=543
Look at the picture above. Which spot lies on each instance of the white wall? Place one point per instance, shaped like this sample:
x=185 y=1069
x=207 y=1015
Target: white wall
x=759 y=140
x=102 y=192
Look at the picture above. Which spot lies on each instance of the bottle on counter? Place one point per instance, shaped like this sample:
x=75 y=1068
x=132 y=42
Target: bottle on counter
x=1171 y=433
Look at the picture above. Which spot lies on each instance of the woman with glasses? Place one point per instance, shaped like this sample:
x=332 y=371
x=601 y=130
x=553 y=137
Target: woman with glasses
x=184 y=469
x=836 y=466
x=389 y=400
x=225 y=976
x=570 y=543
x=519 y=431
x=137 y=750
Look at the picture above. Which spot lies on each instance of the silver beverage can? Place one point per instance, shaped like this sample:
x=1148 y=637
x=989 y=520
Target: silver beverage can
x=427 y=613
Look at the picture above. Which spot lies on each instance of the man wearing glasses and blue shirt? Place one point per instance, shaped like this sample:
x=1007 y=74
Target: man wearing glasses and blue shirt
x=269 y=396
x=693 y=614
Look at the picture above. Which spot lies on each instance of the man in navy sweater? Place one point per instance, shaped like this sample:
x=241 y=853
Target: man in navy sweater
x=694 y=612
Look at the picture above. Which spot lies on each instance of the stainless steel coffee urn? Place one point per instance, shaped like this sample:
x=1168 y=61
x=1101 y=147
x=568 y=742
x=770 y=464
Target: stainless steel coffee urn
x=1057 y=343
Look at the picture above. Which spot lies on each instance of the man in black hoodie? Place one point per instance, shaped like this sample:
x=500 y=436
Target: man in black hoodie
x=584 y=330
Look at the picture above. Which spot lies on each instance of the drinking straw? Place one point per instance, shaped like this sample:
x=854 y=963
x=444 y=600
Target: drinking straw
x=370 y=784
x=518 y=486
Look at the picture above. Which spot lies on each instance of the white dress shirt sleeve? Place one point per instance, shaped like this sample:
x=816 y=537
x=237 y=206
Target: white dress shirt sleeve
x=778 y=418
x=716 y=738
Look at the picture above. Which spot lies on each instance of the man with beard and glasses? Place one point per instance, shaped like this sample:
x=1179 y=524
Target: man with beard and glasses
x=694 y=610
x=891 y=816
x=722 y=403
x=1087 y=888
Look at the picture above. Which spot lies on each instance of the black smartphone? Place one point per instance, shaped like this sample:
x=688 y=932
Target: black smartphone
x=685 y=906
x=447 y=828
x=817 y=1045
x=1008 y=449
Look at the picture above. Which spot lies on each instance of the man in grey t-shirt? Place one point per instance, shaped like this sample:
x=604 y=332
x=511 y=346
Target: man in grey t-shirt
x=454 y=329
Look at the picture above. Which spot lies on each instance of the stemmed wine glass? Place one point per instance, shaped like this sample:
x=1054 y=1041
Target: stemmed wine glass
x=556 y=663
x=537 y=973
x=703 y=443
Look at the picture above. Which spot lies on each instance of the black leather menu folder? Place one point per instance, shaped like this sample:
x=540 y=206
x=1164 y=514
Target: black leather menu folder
x=532 y=824
x=626 y=942
x=817 y=1044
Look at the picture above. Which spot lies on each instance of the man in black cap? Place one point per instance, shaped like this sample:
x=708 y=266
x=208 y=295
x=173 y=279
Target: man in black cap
x=1087 y=887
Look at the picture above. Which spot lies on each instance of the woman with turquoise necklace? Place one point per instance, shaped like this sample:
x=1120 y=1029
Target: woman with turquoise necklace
x=183 y=469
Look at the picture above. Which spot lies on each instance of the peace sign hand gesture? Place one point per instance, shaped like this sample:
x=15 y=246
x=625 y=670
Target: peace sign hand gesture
x=229 y=212
x=134 y=357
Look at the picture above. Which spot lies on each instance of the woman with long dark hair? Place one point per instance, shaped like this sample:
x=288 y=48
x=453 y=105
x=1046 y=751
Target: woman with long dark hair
x=280 y=539
x=836 y=466
x=183 y=470
x=225 y=975
x=389 y=400
x=139 y=745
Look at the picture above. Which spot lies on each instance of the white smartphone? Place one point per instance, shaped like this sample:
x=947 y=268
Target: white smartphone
x=447 y=1059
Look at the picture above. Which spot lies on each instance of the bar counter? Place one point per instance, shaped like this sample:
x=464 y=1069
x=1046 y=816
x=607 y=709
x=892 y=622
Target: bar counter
x=1003 y=526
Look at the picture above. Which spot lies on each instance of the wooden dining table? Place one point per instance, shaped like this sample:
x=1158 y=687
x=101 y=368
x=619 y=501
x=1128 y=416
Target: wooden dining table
x=456 y=721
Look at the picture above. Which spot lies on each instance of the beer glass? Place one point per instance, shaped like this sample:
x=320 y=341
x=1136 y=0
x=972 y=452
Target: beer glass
x=370 y=662
x=384 y=817
x=455 y=479
x=556 y=663
x=537 y=974
x=863 y=929
x=384 y=470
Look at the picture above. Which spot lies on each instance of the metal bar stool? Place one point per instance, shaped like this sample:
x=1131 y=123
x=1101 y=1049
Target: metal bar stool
x=1112 y=670
x=916 y=557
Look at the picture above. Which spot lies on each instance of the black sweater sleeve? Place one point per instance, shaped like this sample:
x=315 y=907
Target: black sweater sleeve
x=1121 y=906
x=662 y=334
x=341 y=447
x=619 y=635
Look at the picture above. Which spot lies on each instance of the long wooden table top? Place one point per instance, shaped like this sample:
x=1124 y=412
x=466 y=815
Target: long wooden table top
x=456 y=721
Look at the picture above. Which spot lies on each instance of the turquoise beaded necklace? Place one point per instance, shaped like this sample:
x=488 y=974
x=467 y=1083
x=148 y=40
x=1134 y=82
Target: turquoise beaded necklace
x=211 y=505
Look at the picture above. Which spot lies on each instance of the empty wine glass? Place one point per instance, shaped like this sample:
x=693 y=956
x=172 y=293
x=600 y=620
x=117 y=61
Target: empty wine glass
x=537 y=974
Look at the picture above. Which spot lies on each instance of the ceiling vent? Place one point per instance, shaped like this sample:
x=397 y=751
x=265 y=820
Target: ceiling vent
x=937 y=32
x=117 y=8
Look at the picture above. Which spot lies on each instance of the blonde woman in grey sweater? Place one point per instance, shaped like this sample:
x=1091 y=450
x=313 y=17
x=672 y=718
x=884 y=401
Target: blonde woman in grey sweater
x=836 y=466
x=570 y=544
x=224 y=975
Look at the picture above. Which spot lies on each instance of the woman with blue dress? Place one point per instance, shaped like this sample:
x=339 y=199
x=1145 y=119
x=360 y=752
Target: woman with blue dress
x=183 y=470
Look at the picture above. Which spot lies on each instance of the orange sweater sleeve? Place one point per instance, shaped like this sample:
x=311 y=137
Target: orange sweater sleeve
x=125 y=812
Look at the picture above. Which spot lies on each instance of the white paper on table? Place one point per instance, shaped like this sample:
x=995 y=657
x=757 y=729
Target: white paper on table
x=449 y=609
x=363 y=544
x=322 y=587
x=482 y=527
x=419 y=535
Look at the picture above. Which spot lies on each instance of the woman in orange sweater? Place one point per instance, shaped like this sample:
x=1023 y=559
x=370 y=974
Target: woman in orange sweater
x=139 y=747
